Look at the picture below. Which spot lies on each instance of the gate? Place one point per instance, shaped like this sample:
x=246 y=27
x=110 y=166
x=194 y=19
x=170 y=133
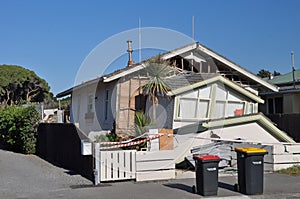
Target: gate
x=114 y=165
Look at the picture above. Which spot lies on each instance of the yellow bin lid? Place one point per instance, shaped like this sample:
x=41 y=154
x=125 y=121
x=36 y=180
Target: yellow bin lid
x=250 y=150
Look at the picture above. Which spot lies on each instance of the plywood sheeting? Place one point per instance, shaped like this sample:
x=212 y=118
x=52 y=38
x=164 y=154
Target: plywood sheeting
x=166 y=142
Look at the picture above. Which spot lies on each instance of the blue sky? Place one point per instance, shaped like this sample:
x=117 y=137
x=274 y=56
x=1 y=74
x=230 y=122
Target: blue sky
x=53 y=38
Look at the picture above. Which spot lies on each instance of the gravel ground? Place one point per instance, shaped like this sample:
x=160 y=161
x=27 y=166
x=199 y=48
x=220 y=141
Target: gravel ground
x=24 y=175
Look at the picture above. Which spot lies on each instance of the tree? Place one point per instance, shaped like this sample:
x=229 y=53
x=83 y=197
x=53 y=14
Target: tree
x=157 y=70
x=18 y=85
x=263 y=73
x=266 y=73
x=276 y=73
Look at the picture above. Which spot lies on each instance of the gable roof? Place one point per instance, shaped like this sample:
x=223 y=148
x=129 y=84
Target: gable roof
x=190 y=47
x=203 y=82
x=194 y=46
x=259 y=118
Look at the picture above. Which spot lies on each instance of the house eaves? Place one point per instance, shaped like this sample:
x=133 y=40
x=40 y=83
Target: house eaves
x=124 y=73
x=84 y=84
x=180 y=51
x=215 y=79
x=259 y=118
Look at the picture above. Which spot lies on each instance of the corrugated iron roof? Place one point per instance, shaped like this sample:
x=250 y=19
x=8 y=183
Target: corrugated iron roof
x=286 y=78
x=182 y=80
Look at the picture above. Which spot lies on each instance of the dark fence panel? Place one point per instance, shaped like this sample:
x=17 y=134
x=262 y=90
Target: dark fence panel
x=290 y=123
x=60 y=144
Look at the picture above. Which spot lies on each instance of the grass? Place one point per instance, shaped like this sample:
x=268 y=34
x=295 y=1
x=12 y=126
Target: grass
x=294 y=171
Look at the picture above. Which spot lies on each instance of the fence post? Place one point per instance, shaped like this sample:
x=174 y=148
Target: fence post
x=97 y=164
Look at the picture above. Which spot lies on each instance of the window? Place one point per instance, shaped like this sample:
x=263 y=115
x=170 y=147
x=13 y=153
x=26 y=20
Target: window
x=232 y=108
x=278 y=105
x=250 y=108
x=106 y=104
x=275 y=105
x=90 y=104
x=195 y=104
x=187 y=108
x=228 y=103
x=219 y=109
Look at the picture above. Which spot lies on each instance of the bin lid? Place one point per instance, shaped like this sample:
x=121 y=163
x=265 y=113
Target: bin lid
x=206 y=157
x=250 y=150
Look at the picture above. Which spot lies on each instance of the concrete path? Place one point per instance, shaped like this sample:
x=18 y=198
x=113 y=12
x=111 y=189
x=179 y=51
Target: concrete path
x=28 y=176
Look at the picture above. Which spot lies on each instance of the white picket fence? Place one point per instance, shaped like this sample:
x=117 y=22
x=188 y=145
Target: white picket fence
x=134 y=165
x=117 y=165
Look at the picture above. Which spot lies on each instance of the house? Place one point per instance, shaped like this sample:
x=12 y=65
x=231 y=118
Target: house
x=283 y=107
x=205 y=87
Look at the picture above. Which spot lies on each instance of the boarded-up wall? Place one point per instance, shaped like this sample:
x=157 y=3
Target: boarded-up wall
x=60 y=144
x=289 y=123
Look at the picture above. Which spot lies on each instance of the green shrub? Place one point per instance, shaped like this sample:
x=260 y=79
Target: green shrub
x=141 y=122
x=18 y=128
x=294 y=170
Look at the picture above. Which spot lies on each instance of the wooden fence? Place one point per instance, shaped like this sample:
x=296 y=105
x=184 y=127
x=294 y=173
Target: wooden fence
x=137 y=165
x=117 y=165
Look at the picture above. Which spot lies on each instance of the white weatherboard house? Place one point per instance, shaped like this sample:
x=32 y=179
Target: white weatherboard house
x=209 y=94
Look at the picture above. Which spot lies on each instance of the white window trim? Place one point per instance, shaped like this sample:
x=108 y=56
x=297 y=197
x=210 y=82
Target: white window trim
x=90 y=110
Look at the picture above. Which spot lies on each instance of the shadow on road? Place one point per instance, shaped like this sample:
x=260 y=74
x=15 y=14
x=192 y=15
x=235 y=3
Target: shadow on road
x=226 y=186
x=180 y=186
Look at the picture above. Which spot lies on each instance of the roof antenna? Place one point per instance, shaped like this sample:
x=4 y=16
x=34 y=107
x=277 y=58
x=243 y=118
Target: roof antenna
x=293 y=69
x=193 y=28
x=140 y=41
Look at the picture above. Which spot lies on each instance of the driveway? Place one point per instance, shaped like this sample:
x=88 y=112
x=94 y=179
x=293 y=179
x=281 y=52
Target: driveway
x=28 y=176
x=22 y=176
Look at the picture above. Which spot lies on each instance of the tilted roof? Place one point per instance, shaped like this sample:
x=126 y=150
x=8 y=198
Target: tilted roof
x=194 y=46
x=259 y=118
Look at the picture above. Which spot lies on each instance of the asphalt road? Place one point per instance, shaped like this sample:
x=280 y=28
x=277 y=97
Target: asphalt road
x=28 y=176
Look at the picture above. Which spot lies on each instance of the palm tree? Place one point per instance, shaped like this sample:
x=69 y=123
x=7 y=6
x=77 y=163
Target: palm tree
x=157 y=70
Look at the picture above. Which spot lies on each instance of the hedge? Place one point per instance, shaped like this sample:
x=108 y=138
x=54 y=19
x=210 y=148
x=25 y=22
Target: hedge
x=18 y=128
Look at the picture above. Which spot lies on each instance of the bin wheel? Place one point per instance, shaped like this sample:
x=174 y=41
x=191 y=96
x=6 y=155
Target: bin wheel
x=194 y=189
x=236 y=187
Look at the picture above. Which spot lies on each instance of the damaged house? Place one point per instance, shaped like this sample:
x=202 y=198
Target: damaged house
x=209 y=97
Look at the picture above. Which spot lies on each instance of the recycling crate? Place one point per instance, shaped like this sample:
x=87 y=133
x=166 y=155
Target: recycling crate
x=250 y=163
x=206 y=167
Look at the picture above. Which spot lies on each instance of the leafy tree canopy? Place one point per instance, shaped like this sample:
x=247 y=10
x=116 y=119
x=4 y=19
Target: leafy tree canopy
x=265 y=73
x=18 y=85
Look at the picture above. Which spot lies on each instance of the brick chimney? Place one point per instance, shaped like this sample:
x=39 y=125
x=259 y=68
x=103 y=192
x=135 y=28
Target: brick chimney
x=129 y=50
